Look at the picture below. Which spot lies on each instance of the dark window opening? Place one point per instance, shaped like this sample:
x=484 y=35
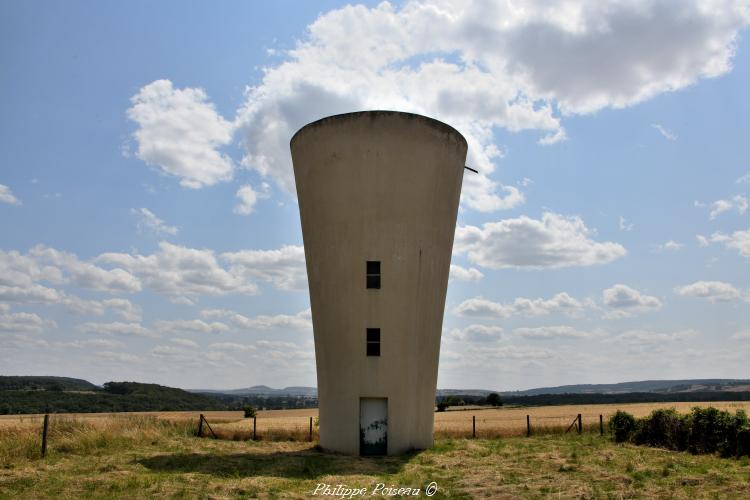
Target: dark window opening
x=373 y=341
x=373 y=274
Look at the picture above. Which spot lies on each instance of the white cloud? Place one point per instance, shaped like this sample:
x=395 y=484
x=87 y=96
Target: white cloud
x=665 y=132
x=555 y=241
x=184 y=342
x=643 y=338
x=670 y=246
x=232 y=346
x=477 y=333
x=190 y=325
x=738 y=240
x=742 y=335
x=713 y=291
x=743 y=179
x=465 y=273
x=85 y=274
x=121 y=307
x=103 y=343
x=115 y=328
x=737 y=203
x=6 y=196
x=284 y=267
x=626 y=301
x=180 y=132
x=179 y=271
x=551 y=332
x=624 y=225
x=24 y=322
x=299 y=321
x=148 y=220
x=119 y=357
x=484 y=65
x=248 y=197
x=559 y=303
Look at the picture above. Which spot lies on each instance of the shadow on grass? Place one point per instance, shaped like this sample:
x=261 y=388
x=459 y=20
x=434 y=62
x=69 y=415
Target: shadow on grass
x=304 y=464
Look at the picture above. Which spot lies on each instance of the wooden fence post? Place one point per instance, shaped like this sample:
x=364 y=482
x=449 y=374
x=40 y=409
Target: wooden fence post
x=473 y=426
x=254 y=427
x=311 y=429
x=209 y=427
x=580 y=424
x=44 y=435
x=528 y=426
x=200 y=425
x=601 y=425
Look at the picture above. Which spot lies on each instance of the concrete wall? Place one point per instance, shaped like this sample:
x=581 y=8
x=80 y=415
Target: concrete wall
x=380 y=186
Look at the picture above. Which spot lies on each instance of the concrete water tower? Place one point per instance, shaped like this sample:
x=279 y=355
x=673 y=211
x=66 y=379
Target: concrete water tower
x=378 y=196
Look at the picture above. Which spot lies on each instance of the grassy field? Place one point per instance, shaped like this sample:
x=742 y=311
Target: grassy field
x=501 y=422
x=144 y=456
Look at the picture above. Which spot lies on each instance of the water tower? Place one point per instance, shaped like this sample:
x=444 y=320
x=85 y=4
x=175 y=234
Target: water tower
x=378 y=196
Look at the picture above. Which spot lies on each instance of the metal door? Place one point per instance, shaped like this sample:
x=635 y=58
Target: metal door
x=373 y=426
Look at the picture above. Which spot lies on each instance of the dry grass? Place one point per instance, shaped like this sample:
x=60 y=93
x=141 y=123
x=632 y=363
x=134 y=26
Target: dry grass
x=275 y=425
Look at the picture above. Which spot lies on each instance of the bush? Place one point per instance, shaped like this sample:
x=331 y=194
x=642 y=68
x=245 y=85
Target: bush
x=441 y=406
x=622 y=425
x=250 y=412
x=664 y=428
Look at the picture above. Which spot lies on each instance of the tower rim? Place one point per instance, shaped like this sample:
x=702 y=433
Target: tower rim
x=375 y=113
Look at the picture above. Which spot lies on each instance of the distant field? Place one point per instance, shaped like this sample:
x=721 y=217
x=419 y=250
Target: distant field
x=454 y=423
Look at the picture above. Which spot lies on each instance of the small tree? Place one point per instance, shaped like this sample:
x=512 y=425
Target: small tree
x=441 y=406
x=493 y=399
x=250 y=412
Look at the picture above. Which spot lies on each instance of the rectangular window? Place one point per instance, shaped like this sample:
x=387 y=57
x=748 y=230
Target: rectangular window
x=373 y=341
x=373 y=274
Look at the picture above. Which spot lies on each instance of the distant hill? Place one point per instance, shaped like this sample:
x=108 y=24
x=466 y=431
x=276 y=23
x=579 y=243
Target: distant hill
x=657 y=386
x=113 y=397
x=263 y=390
x=43 y=383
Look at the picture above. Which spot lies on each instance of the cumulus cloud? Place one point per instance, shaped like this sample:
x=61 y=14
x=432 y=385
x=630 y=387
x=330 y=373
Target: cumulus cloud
x=180 y=133
x=669 y=246
x=743 y=179
x=115 y=328
x=149 y=221
x=284 y=267
x=551 y=332
x=248 y=197
x=299 y=321
x=560 y=303
x=465 y=273
x=232 y=346
x=21 y=322
x=625 y=301
x=737 y=203
x=738 y=240
x=713 y=291
x=179 y=271
x=86 y=274
x=191 y=326
x=554 y=241
x=6 y=196
x=481 y=66
x=477 y=333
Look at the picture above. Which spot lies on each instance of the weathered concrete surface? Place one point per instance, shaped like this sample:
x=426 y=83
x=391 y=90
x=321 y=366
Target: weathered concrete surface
x=380 y=186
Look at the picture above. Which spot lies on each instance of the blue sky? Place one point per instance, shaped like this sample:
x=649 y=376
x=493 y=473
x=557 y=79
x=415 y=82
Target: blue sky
x=150 y=230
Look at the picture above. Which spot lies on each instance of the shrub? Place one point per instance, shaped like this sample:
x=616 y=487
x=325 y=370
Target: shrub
x=664 y=428
x=441 y=406
x=622 y=425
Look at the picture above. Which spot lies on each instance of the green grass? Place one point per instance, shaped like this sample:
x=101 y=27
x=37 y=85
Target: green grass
x=137 y=458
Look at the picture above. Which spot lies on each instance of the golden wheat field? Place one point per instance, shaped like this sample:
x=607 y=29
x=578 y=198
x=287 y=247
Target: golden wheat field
x=457 y=422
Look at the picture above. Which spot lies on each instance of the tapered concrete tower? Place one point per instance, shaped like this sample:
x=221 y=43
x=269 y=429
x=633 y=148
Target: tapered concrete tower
x=378 y=196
